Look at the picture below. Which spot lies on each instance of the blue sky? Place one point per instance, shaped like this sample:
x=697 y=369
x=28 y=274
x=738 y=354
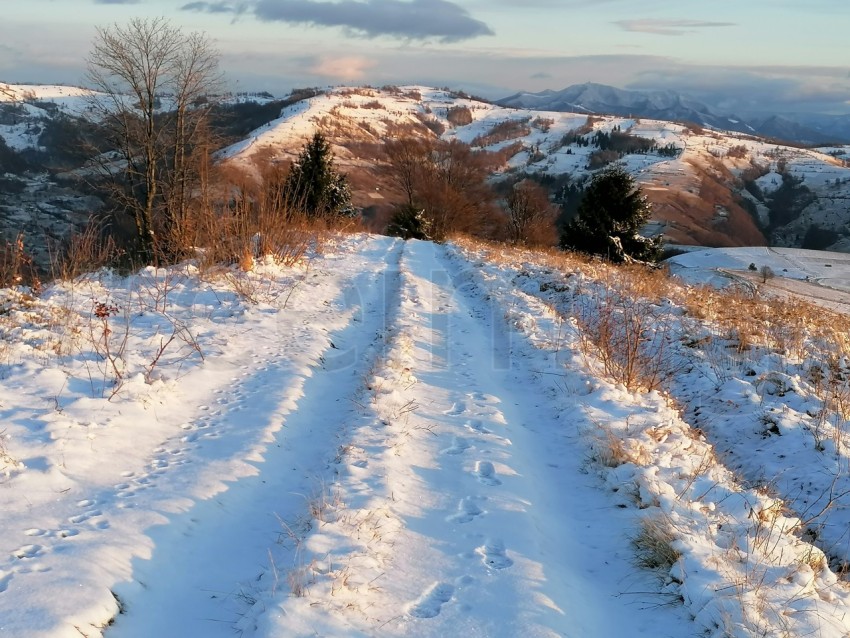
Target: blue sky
x=747 y=54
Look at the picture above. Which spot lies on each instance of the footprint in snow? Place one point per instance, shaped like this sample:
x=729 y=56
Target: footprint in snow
x=35 y=531
x=486 y=473
x=5 y=577
x=493 y=554
x=429 y=604
x=476 y=425
x=28 y=552
x=459 y=446
x=467 y=510
x=484 y=400
x=457 y=409
x=80 y=518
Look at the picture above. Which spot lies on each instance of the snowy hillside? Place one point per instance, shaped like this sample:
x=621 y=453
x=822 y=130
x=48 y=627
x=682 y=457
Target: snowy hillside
x=708 y=187
x=396 y=438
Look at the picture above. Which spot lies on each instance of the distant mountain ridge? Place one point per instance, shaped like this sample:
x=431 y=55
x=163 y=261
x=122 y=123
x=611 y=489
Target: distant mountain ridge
x=668 y=105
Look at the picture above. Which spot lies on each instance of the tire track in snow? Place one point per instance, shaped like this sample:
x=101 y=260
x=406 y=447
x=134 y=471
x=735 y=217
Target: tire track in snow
x=482 y=501
x=214 y=566
x=538 y=549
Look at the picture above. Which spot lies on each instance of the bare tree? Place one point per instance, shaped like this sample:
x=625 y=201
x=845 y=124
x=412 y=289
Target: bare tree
x=407 y=158
x=153 y=82
x=445 y=183
x=531 y=216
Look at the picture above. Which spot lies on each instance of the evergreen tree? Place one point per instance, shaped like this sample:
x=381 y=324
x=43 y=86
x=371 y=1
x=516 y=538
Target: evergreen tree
x=409 y=222
x=610 y=216
x=314 y=185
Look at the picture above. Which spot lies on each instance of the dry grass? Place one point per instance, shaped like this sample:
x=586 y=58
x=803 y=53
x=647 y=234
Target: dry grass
x=653 y=544
x=613 y=450
x=83 y=252
x=7 y=461
x=738 y=320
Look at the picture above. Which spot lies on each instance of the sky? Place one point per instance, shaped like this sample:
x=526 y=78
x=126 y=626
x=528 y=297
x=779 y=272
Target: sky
x=740 y=55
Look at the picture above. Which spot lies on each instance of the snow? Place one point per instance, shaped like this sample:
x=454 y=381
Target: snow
x=394 y=438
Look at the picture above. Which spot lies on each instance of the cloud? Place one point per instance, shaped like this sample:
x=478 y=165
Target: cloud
x=210 y=7
x=541 y=76
x=668 y=27
x=406 y=19
x=348 y=68
x=117 y=1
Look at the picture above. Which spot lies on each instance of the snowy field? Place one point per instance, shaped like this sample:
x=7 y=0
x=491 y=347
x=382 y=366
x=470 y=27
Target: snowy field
x=399 y=438
x=820 y=277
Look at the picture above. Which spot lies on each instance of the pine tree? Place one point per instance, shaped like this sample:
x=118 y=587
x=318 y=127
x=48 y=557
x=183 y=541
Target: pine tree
x=314 y=185
x=610 y=217
x=409 y=222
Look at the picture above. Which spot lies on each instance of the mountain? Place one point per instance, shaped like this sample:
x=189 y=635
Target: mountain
x=600 y=98
x=829 y=127
x=672 y=106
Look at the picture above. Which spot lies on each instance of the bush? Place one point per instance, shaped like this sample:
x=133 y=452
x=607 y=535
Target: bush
x=459 y=115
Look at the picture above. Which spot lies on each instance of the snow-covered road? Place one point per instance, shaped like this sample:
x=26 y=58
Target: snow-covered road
x=394 y=439
x=425 y=488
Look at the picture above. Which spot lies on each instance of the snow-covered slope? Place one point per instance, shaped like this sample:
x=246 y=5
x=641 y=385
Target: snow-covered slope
x=708 y=187
x=410 y=439
x=599 y=98
x=803 y=128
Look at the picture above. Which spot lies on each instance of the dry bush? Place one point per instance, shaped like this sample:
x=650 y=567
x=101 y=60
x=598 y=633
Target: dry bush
x=628 y=334
x=16 y=265
x=431 y=123
x=362 y=91
x=459 y=115
x=7 y=461
x=543 y=124
x=255 y=220
x=531 y=216
x=738 y=151
x=611 y=450
x=84 y=251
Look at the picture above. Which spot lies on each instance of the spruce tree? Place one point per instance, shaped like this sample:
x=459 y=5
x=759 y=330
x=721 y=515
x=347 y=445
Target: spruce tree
x=610 y=216
x=314 y=185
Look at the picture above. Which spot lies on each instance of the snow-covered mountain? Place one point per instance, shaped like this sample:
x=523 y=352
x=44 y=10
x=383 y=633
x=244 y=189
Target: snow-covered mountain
x=671 y=105
x=599 y=98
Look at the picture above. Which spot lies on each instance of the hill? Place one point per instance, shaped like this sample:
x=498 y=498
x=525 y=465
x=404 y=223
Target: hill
x=810 y=129
x=709 y=187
